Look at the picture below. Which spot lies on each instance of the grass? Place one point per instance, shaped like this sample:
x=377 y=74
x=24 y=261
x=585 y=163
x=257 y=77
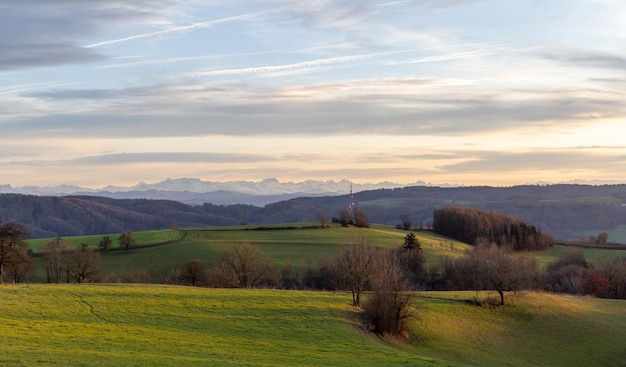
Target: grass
x=299 y=244
x=534 y=329
x=154 y=325
x=594 y=256
x=143 y=238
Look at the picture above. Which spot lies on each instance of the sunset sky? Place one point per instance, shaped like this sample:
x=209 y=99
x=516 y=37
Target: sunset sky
x=474 y=92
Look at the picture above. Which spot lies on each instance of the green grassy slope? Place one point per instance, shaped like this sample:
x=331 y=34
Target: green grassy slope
x=278 y=244
x=153 y=325
x=533 y=329
x=295 y=245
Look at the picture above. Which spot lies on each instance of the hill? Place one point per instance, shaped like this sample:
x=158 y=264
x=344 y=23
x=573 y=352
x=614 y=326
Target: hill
x=569 y=212
x=160 y=251
x=149 y=325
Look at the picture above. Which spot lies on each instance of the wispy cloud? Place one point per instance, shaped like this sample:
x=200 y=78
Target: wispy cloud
x=179 y=29
x=276 y=68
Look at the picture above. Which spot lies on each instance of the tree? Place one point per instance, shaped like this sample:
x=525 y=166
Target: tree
x=126 y=240
x=84 y=264
x=20 y=265
x=603 y=239
x=405 y=222
x=411 y=242
x=388 y=307
x=12 y=236
x=596 y=284
x=499 y=269
x=353 y=267
x=56 y=254
x=105 y=244
x=412 y=259
x=195 y=273
x=246 y=264
x=360 y=218
x=322 y=217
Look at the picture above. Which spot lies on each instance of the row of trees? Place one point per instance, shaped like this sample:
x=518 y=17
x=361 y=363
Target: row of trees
x=61 y=261
x=472 y=225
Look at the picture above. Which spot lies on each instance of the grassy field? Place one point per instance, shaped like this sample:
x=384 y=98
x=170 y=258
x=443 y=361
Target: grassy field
x=300 y=243
x=296 y=245
x=154 y=325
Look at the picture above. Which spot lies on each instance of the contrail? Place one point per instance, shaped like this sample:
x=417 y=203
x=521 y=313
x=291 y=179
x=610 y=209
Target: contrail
x=275 y=68
x=178 y=29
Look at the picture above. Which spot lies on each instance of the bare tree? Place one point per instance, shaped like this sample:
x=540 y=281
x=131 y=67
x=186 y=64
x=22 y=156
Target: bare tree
x=353 y=268
x=246 y=264
x=195 y=273
x=360 y=218
x=105 y=244
x=56 y=260
x=84 y=264
x=387 y=309
x=322 y=217
x=499 y=269
x=20 y=265
x=126 y=240
x=405 y=222
x=12 y=235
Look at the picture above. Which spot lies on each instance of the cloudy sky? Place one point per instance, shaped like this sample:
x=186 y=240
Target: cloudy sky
x=490 y=92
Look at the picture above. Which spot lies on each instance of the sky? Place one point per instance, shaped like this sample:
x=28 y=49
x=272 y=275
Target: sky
x=472 y=92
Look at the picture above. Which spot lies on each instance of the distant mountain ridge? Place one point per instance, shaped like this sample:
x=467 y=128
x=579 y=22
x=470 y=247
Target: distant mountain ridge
x=194 y=191
x=567 y=211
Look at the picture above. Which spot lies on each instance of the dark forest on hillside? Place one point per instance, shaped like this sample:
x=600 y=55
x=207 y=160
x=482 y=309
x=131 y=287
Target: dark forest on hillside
x=563 y=210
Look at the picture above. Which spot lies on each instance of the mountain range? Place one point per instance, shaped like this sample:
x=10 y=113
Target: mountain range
x=194 y=191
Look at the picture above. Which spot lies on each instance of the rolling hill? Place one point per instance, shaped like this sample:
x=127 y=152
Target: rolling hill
x=154 y=325
x=569 y=212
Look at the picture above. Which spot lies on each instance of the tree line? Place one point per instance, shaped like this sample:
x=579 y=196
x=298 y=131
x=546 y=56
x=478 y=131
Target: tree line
x=475 y=226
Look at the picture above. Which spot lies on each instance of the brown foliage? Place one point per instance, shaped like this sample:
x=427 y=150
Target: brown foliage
x=353 y=269
x=56 y=255
x=84 y=264
x=243 y=266
x=12 y=236
x=387 y=309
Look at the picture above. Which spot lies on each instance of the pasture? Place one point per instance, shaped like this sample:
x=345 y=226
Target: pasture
x=160 y=251
x=294 y=243
x=155 y=325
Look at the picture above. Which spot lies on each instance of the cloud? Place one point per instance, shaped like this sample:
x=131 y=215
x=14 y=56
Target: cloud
x=590 y=59
x=117 y=159
x=178 y=29
x=394 y=106
x=48 y=33
x=541 y=160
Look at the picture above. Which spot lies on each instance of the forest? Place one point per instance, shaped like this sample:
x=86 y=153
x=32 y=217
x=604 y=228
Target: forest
x=568 y=212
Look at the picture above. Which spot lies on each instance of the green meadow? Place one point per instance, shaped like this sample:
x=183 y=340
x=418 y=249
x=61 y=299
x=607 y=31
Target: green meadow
x=156 y=325
x=160 y=251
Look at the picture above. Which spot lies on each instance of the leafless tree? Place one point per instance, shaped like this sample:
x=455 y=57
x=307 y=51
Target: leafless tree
x=20 y=265
x=246 y=264
x=12 y=236
x=84 y=264
x=126 y=240
x=500 y=269
x=360 y=218
x=322 y=217
x=105 y=243
x=603 y=238
x=353 y=268
x=195 y=273
x=388 y=307
x=56 y=255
